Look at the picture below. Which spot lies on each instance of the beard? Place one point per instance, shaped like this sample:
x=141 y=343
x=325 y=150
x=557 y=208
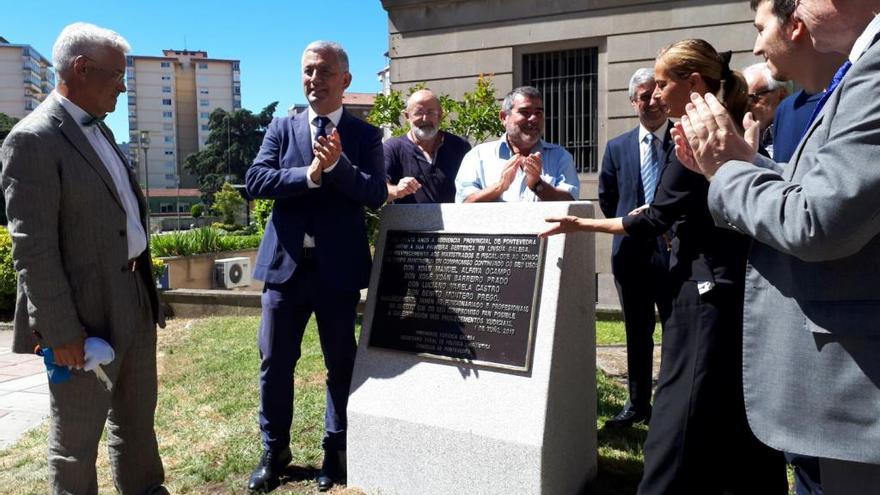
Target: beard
x=425 y=133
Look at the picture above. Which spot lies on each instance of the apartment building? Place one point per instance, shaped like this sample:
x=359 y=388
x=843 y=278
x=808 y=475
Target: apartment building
x=26 y=78
x=172 y=97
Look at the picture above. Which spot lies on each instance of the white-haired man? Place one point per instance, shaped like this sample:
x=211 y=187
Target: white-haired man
x=78 y=225
x=631 y=169
x=765 y=95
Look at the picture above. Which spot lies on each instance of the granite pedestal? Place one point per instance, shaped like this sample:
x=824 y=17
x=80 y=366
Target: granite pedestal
x=433 y=425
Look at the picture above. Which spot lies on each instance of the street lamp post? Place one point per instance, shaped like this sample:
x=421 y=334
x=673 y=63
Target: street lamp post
x=145 y=145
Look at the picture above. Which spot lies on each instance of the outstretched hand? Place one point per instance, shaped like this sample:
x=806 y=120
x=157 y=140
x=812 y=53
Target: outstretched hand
x=564 y=225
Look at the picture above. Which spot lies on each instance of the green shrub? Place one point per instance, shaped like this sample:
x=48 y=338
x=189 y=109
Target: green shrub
x=262 y=210
x=7 y=272
x=200 y=241
x=227 y=202
x=197 y=210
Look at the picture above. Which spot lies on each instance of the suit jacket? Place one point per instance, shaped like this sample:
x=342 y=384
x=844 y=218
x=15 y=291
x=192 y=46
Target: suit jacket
x=621 y=191
x=334 y=211
x=68 y=230
x=811 y=342
x=701 y=252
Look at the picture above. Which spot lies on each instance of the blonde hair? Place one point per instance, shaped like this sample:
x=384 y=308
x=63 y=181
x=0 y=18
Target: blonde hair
x=686 y=57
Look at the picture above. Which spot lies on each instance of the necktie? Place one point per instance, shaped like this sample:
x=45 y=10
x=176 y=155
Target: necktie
x=321 y=126
x=838 y=76
x=90 y=120
x=649 y=168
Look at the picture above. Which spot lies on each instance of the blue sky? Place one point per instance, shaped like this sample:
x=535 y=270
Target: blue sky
x=266 y=35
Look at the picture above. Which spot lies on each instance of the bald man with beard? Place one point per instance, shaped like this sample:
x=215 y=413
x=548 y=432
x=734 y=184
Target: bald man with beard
x=421 y=165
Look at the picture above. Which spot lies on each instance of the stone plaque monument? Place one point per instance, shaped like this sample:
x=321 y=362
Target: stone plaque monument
x=476 y=364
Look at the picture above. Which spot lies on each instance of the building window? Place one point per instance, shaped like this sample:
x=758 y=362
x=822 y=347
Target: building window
x=167 y=115
x=169 y=139
x=167 y=127
x=235 y=65
x=236 y=90
x=568 y=80
x=129 y=61
x=166 y=207
x=166 y=89
x=166 y=101
x=204 y=103
x=205 y=127
x=165 y=65
x=169 y=153
x=203 y=91
x=205 y=115
x=173 y=179
x=203 y=65
x=166 y=78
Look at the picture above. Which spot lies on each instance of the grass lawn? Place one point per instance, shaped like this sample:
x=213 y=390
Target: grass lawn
x=610 y=332
x=207 y=425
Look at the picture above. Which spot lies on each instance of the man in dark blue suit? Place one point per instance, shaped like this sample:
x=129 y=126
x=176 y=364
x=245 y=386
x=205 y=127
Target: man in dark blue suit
x=630 y=173
x=321 y=167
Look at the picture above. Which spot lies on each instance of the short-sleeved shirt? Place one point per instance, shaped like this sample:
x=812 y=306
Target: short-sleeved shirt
x=482 y=167
x=403 y=158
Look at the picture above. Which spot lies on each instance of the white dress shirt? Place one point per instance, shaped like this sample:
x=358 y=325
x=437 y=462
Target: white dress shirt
x=334 y=116
x=136 y=236
x=865 y=39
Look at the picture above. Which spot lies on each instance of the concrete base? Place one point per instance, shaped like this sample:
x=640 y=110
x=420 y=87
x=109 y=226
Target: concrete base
x=422 y=425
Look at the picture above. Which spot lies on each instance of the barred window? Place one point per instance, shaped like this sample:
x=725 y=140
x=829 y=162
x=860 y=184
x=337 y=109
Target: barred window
x=568 y=80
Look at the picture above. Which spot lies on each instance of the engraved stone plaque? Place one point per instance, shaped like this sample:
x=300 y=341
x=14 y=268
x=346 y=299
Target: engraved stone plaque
x=467 y=297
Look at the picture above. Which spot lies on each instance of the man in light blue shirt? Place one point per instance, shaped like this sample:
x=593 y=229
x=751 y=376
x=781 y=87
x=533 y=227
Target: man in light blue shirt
x=520 y=166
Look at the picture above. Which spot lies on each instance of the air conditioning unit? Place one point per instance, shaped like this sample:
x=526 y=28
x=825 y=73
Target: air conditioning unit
x=232 y=272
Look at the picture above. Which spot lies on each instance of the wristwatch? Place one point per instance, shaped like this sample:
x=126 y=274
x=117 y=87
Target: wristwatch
x=538 y=187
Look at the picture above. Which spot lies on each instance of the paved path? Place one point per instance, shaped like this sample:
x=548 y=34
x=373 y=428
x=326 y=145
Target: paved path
x=24 y=392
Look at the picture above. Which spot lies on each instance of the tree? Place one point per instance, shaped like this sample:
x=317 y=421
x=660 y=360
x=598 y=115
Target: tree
x=227 y=202
x=6 y=123
x=232 y=144
x=474 y=117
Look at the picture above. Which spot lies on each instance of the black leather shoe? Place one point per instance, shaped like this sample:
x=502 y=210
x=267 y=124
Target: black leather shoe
x=332 y=470
x=265 y=477
x=628 y=417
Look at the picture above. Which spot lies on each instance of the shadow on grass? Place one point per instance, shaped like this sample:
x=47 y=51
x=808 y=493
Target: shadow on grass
x=620 y=450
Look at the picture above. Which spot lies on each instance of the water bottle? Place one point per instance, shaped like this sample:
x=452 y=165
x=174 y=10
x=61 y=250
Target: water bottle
x=57 y=373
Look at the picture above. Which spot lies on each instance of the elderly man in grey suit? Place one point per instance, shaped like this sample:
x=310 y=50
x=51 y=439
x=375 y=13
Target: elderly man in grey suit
x=812 y=306
x=79 y=243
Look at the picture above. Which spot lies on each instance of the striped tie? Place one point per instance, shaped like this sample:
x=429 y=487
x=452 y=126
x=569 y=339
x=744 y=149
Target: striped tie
x=649 y=168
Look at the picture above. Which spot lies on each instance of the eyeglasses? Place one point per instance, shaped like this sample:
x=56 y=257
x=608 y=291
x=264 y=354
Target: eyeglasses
x=754 y=97
x=426 y=113
x=117 y=75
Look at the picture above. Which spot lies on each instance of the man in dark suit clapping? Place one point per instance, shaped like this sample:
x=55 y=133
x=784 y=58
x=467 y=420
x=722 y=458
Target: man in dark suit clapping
x=630 y=173
x=321 y=167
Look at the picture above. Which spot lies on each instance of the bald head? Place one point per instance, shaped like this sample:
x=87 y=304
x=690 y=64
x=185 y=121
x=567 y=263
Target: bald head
x=423 y=112
x=422 y=97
